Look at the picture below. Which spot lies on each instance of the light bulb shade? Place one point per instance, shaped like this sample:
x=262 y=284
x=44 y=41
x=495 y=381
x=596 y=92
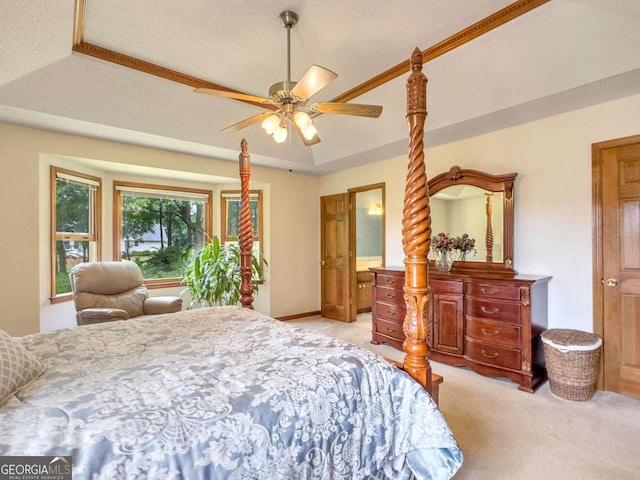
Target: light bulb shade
x=309 y=132
x=280 y=134
x=270 y=124
x=302 y=119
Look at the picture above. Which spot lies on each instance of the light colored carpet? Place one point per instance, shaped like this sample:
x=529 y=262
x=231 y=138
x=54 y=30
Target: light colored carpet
x=508 y=434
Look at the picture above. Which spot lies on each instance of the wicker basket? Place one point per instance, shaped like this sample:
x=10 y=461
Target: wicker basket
x=572 y=358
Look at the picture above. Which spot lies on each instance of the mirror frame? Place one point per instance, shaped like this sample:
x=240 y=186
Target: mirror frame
x=493 y=183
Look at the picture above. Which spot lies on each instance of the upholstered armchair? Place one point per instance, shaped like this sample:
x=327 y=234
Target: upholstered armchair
x=109 y=291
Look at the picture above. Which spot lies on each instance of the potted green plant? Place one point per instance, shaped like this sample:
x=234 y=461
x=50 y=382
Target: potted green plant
x=213 y=275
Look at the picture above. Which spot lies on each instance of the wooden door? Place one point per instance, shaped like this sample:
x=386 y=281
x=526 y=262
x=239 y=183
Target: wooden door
x=619 y=163
x=335 y=276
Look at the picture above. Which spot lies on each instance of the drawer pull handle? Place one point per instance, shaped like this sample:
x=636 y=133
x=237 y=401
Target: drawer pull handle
x=492 y=356
x=389 y=329
x=390 y=295
x=489 y=291
x=490 y=333
x=493 y=310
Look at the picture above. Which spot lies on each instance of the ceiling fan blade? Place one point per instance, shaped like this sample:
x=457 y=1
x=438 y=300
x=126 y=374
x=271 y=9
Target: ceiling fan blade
x=248 y=121
x=234 y=95
x=371 y=111
x=308 y=143
x=313 y=81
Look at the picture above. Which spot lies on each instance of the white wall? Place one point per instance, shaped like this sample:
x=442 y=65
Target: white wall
x=552 y=195
x=291 y=220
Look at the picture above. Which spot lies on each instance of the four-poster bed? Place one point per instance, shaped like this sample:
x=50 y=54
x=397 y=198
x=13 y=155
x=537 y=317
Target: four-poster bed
x=226 y=392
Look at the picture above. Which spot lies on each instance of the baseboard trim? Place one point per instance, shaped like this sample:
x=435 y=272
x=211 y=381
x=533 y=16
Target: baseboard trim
x=298 y=315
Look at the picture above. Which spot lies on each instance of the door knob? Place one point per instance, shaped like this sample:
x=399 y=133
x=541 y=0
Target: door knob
x=612 y=282
x=322 y=262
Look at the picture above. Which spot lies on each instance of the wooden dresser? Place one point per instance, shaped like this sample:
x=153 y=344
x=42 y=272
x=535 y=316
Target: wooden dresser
x=491 y=325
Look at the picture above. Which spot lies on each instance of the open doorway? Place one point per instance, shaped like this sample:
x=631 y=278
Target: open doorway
x=367 y=241
x=352 y=240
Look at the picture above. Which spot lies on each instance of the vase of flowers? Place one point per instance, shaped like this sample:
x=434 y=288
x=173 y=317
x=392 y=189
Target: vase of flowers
x=466 y=247
x=442 y=244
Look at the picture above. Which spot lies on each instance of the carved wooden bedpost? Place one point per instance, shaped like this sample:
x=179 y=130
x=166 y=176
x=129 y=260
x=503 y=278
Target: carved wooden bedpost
x=489 y=234
x=245 y=229
x=416 y=232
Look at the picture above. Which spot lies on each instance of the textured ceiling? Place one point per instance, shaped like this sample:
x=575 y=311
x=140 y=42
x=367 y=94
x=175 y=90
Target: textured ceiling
x=563 y=55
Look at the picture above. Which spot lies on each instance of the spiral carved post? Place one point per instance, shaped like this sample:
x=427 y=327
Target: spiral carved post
x=489 y=238
x=416 y=232
x=245 y=230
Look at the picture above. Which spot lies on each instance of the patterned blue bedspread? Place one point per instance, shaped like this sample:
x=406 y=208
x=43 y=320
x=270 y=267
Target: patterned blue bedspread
x=223 y=393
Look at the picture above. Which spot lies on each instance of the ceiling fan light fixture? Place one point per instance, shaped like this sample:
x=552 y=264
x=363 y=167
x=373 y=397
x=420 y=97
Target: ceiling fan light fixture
x=280 y=133
x=309 y=132
x=271 y=123
x=302 y=119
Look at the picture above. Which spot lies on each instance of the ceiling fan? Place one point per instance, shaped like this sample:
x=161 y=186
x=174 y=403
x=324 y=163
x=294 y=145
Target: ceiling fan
x=288 y=101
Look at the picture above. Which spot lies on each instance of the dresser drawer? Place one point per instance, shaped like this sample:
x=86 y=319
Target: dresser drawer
x=493 y=310
x=493 y=333
x=445 y=286
x=392 y=281
x=395 y=313
x=389 y=295
x=492 y=354
x=493 y=290
x=390 y=329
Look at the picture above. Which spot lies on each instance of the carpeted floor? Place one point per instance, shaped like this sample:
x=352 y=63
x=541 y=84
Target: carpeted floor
x=508 y=434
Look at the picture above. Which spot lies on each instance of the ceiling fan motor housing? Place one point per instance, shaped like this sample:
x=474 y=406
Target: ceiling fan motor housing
x=282 y=91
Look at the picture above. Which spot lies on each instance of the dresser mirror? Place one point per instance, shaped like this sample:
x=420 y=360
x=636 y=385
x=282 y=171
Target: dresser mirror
x=480 y=206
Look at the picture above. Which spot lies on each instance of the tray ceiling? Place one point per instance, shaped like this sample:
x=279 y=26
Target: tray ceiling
x=561 y=55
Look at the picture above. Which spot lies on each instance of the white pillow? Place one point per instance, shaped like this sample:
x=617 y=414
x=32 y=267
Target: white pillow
x=18 y=367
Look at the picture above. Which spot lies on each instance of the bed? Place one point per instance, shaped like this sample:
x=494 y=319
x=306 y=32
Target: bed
x=229 y=393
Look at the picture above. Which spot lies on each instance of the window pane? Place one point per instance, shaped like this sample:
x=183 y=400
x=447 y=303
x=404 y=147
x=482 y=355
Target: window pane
x=233 y=216
x=68 y=254
x=156 y=232
x=253 y=206
x=74 y=227
x=73 y=207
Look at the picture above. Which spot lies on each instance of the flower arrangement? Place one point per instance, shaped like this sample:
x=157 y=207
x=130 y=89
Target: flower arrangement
x=465 y=245
x=442 y=243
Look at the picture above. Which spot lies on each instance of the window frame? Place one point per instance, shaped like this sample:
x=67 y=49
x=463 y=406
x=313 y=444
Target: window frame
x=117 y=221
x=235 y=194
x=95 y=221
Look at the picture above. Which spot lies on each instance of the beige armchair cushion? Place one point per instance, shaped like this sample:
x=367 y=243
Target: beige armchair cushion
x=157 y=305
x=104 y=291
x=131 y=301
